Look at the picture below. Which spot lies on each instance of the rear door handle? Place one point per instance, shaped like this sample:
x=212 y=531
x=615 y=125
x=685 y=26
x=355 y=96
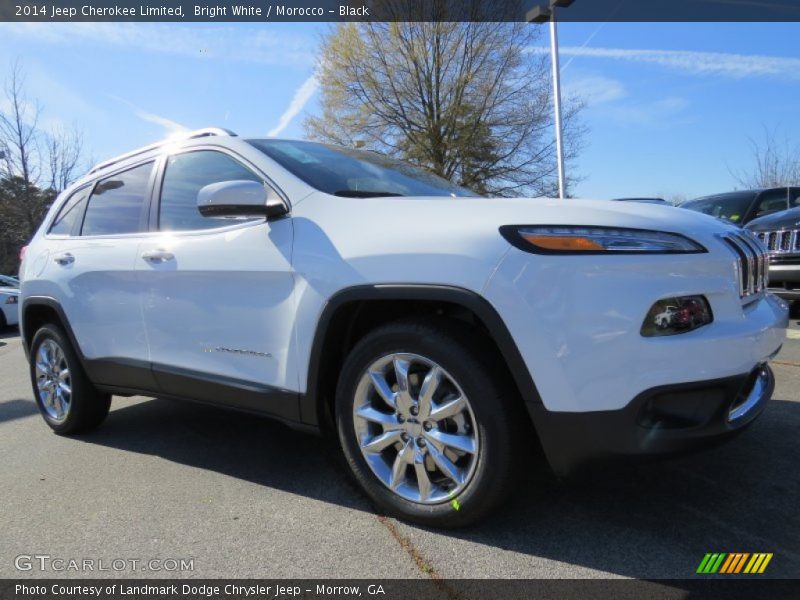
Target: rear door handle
x=64 y=259
x=157 y=256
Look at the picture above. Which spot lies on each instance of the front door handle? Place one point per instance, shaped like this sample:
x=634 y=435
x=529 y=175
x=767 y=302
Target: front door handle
x=64 y=259
x=157 y=256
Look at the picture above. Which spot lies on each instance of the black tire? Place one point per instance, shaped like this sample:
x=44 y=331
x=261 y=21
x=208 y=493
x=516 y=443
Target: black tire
x=3 y=323
x=88 y=407
x=497 y=410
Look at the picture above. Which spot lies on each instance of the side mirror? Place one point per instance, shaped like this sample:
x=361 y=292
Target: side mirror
x=239 y=198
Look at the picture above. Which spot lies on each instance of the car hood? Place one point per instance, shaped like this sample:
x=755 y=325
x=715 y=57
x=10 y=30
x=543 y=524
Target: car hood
x=552 y=211
x=785 y=219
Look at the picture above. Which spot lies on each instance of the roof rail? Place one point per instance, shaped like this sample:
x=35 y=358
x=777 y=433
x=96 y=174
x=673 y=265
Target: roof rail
x=189 y=135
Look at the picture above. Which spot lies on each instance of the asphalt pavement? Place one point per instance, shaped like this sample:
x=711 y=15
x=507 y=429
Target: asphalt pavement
x=244 y=497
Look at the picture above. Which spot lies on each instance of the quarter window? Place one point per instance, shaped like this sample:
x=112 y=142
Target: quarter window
x=186 y=174
x=117 y=202
x=70 y=210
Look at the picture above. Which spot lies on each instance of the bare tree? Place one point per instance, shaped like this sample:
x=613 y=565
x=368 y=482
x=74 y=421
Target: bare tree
x=35 y=166
x=775 y=163
x=18 y=129
x=64 y=149
x=468 y=101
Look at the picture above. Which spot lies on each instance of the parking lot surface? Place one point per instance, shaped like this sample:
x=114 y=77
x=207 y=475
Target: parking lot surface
x=246 y=497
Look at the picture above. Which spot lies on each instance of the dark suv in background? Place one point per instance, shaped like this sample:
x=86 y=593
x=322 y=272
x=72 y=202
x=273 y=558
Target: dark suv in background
x=780 y=233
x=742 y=207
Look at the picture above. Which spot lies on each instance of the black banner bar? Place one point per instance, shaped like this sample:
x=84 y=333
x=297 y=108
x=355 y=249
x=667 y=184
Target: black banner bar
x=393 y=589
x=396 y=10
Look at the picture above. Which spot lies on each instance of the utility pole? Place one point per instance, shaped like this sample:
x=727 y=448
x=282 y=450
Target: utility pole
x=540 y=14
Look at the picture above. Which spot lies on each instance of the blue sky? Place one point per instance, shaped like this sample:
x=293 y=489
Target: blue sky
x=670 y=107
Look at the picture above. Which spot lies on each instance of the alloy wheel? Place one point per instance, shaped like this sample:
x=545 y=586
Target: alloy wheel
x=53 y=380
x=415 y=428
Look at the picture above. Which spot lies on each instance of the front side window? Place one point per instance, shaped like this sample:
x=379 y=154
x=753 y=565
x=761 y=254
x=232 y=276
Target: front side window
x=794 y=197
x=186 y=174
x=355 y=173
x=116 y=203
x=70 y=210
x=772 y=201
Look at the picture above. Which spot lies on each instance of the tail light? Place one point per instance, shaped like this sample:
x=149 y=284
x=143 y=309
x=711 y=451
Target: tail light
x=22 y=252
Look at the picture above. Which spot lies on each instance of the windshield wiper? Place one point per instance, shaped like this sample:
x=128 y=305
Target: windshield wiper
x=364 y=194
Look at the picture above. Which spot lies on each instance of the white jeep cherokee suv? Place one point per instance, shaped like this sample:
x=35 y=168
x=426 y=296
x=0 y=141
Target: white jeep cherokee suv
x=436 y=332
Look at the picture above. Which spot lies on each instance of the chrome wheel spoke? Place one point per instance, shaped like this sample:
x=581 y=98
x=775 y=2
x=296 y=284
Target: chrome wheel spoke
x=426 y=391
x=446 y=466
x=383 y=389
x=448 y=409
x=380 y=442
x=401 y=462
x=47 y=397
x=373 y=415
x=403 y=398
x=462 y=443
x=58 y=405
x=423 y=481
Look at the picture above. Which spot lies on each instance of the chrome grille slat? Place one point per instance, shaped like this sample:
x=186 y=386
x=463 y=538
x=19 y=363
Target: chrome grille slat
x=783 y=241
x=752 y=259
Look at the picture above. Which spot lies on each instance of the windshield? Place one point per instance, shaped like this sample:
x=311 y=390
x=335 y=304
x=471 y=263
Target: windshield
x=355 y=173
x=731 y=207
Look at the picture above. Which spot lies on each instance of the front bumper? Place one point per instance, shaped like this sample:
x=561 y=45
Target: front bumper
x=664 y=420
x=784 y=277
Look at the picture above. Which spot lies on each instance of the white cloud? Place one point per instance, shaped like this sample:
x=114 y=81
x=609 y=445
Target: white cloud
x=594 y=89
x=169 y=125
x=695 y=63
x=209 y=41
x=658 y=113
x=299 y=100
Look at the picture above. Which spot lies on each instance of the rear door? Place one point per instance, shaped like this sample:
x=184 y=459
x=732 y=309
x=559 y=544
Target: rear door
x=94 y=268
x=217 y=294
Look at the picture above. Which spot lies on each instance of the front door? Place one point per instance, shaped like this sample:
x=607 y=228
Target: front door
x=217 y=294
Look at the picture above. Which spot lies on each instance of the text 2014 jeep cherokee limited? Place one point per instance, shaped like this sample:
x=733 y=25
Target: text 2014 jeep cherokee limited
x=436 y=332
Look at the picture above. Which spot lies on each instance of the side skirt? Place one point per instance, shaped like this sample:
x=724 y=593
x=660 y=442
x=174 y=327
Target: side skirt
x=125 y=377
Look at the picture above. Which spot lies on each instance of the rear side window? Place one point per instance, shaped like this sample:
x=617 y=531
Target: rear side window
x=185 y=176
x=116 y=203
x=69 y=213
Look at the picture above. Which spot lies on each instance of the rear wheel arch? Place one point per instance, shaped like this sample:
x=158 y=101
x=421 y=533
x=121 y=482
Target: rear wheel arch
x=40 y=310
x=351 y=313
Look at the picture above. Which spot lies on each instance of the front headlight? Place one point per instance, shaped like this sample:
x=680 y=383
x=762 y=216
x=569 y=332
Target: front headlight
x=12 y=299
x=566 y=239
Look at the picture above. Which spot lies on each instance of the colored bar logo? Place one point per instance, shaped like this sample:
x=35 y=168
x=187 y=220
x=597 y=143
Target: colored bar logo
x=734 y=563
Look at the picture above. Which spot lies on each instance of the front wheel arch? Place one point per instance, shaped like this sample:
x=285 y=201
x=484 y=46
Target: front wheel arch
x=351 y=313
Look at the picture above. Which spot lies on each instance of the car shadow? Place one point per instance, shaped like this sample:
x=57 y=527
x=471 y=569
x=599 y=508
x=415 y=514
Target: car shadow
x=8 y=333
x=11 y=410
x=654 y=520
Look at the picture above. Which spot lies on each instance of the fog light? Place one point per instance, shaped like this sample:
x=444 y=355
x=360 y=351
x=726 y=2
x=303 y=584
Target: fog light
x=671 y=316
